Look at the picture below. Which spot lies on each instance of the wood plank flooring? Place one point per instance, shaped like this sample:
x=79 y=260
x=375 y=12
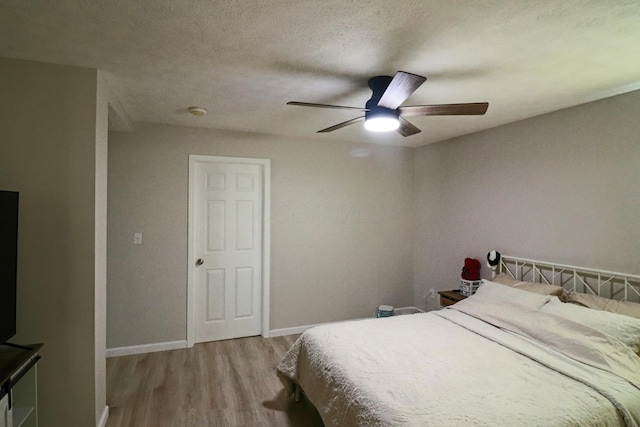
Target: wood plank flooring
x=223 y=383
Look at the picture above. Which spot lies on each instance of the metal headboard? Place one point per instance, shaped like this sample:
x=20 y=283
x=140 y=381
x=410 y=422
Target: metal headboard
x=608 y=284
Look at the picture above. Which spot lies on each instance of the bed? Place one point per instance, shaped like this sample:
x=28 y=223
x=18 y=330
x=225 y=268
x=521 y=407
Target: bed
x=515 y=353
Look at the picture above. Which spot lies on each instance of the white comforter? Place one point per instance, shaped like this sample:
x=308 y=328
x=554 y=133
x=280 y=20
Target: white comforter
x=452 y=368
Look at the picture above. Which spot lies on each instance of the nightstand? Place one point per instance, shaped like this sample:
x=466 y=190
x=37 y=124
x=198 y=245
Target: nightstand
x=450 y=297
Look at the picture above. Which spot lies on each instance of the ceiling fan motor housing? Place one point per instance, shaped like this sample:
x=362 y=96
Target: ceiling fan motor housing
x=377 y=111
x=379 y=118
x=378 y=86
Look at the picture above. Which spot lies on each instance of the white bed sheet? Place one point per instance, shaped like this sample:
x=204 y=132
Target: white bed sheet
x=450 y=368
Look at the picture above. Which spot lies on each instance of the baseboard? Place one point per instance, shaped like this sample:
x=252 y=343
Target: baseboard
x=290 y=331
x=146 y=348
x=104 y=417
x=175 y=345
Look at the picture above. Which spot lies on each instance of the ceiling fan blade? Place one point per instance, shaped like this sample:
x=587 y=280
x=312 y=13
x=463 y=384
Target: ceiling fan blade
x=470 y=109
x=341 y=125
x=406 y=128
x=400 y=88
x=339 y=107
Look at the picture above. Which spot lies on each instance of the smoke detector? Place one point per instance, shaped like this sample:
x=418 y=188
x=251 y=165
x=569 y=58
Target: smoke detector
x=197 y=111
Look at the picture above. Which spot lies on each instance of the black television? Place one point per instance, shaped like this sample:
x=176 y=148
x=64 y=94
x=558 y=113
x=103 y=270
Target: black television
x=8 y=263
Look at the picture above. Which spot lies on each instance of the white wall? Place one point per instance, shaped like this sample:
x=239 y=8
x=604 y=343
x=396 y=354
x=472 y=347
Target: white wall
x=341 y=228
x=49 y=153
x=561 y=187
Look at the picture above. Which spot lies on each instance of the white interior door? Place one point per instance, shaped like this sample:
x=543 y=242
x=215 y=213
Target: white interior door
x=227 y=218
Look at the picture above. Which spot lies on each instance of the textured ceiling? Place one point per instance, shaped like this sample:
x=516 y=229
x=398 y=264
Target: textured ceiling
x=243 y=60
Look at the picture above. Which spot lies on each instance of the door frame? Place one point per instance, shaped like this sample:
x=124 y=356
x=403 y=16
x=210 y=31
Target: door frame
x=266 y=238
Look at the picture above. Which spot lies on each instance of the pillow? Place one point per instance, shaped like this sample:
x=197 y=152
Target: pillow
x=538 y=288
x=491 y=292
x=626 y=308
x=624 y=328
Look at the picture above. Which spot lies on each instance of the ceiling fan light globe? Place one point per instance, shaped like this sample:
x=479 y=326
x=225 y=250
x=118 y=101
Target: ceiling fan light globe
x=381 y=124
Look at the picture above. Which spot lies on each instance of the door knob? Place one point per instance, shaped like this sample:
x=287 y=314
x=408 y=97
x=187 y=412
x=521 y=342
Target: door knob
x=199 y=262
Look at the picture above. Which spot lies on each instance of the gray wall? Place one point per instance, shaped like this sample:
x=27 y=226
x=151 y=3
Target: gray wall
x=561 y=187
x=49 y=153
x=341 y=228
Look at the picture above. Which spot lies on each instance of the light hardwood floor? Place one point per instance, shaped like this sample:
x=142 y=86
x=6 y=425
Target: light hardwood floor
x=223 y=383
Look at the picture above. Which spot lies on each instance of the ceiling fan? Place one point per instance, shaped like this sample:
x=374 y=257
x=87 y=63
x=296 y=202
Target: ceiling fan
x=383 y=112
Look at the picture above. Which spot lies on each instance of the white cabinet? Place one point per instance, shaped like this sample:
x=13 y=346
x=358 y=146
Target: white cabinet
x=24 y=400
x=19 y=376
x=5 y=415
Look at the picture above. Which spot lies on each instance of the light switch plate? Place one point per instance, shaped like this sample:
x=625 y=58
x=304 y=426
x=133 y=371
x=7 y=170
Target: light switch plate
x=137 y=238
